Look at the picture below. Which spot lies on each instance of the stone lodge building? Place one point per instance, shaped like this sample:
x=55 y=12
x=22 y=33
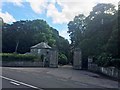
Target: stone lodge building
x=47 y=54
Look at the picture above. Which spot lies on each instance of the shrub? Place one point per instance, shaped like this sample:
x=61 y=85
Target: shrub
x=115 y=63
x=62 y=59
x=104 y=60
x=8 y=57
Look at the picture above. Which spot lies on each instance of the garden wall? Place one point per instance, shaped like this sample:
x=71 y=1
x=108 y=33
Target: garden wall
x=110 y=71
x=22 y=64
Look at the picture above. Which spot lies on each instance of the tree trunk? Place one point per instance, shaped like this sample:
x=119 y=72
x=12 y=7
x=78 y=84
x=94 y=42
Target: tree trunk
x=16 y=46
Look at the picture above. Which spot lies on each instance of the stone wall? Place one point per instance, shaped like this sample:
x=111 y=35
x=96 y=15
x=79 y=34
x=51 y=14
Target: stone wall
x=93 y=67
x=110 y=71
x=22 y=64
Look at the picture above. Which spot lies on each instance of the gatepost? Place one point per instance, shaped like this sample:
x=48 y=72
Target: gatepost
x=53 y=58
x=77 y=59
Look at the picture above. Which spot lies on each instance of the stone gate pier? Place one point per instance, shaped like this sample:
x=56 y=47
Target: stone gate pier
x=77 y=59
x=53 y=58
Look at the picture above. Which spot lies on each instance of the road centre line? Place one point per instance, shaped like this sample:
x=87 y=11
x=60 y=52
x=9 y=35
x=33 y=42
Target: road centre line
x=14 y=83
x=20 y=82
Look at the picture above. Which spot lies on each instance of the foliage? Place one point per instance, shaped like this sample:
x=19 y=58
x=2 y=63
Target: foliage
x=9 y=57
x=96 y=33
x=115 y=63
x=104 y=60
x=76 y=29
x=63 y=46
x=21 y=35
x=62 y=59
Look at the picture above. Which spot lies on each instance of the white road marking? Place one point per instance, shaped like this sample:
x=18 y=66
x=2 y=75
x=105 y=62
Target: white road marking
x=63 y=79
x=15 y=83
x=20 y=82
x=81 y=83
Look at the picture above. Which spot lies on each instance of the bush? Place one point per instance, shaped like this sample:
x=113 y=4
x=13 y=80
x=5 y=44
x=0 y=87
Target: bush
x=115 y=63
x=104 y=60
x=8 y=57
x=62 y=59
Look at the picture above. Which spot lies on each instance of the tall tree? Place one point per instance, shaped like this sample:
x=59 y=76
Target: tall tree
x=94 y=33
x=76 y=29
x=21 y=35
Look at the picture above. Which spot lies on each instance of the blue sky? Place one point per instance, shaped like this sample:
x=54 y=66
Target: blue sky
x=57 y=13
x=26 y=13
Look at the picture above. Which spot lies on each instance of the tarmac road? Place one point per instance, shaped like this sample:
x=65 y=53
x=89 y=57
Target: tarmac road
x=46 y=78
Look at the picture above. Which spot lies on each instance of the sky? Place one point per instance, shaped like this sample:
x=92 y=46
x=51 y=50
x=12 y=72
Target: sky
x=57 y=13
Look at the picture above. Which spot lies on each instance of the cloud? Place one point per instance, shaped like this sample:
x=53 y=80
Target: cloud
x=115 y=2
x=57 y=17
x=69 y=10
x=7 y=18
x=109 y=1
x=64 y=34
x=38 y=6
x=0 y=6
x=72 y=8
x=15 y=2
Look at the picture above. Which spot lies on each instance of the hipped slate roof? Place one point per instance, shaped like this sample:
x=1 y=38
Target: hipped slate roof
x=41 y=45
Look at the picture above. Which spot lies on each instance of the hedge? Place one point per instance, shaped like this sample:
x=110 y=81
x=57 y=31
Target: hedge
x=106 y=60
x=8 y=57
x=62 y=59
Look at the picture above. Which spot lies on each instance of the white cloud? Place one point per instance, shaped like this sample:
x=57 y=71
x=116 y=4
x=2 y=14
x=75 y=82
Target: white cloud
x=69 y=10
x=38 y=6
x=0 y=6
x=15 y=2
x=72 y=8
x=57 y=17
x=7 y=18
x=64 y=34
x=109 y=1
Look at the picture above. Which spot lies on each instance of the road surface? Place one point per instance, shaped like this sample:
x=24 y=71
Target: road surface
x=43 y=78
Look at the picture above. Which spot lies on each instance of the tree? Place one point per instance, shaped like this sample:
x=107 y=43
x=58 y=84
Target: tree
x=76 y=29
x=21 y=35
x=96 y=33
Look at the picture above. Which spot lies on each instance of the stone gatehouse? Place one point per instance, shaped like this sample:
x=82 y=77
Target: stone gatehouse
x=47 y=54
